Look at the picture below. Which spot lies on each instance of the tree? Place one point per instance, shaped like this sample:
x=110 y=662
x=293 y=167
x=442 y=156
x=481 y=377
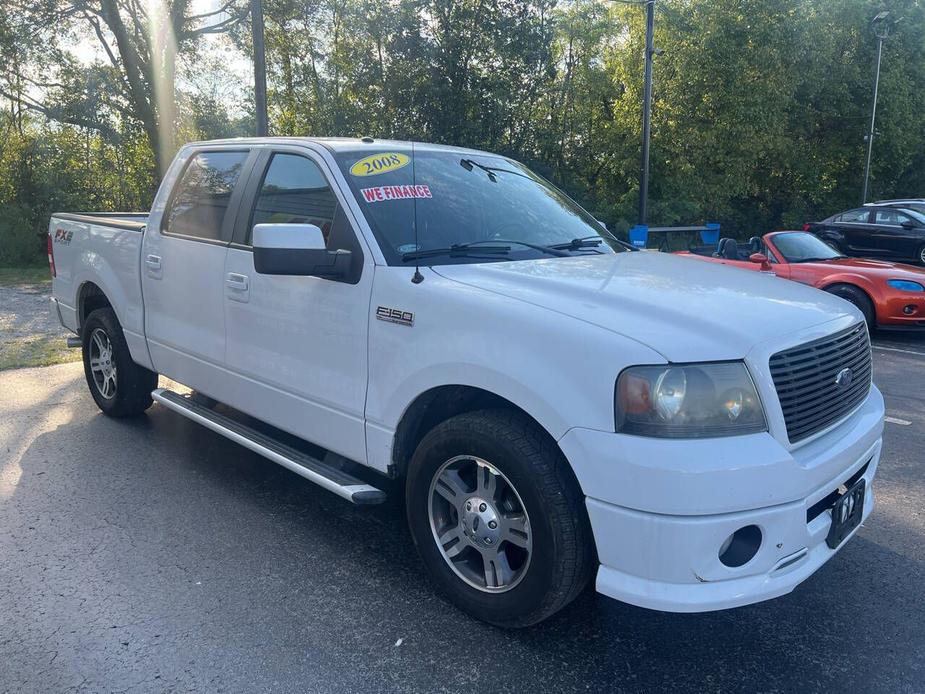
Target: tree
x=141 y=42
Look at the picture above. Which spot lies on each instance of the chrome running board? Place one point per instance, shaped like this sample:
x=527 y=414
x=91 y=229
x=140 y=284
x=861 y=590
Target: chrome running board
x=331 y=478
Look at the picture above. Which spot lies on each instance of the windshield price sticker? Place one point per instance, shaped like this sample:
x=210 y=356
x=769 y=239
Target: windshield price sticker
x=376 y=164
x=381 y=193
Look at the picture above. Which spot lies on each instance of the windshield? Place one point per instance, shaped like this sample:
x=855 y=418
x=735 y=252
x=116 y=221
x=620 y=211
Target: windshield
x=465 y=198
x=916 y=211
x=801 y=247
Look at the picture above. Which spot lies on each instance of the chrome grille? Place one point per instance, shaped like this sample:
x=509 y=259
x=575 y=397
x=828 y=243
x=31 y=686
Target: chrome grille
x=805 y=379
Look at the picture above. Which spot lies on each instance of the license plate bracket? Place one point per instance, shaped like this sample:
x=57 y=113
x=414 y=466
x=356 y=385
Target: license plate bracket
x=847 y=513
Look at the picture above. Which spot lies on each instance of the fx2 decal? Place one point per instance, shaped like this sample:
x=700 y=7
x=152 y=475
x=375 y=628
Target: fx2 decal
x=63 y=236
x=395 y=315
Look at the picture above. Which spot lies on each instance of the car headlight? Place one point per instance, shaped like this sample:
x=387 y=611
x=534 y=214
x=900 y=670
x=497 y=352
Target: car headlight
x=906 y=285
x=688 y=401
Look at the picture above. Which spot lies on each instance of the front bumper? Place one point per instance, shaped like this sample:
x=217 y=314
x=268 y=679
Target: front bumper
x=892 y=315
x=660 y=509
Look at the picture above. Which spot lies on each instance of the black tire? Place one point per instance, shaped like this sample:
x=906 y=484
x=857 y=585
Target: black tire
x=859 y=298
x=562 y=557
x=132 y=385
x=920 y=256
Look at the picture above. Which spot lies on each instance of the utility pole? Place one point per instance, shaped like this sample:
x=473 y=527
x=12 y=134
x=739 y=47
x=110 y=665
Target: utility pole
x=881 y=31
x=646 y=112
x=260 y=68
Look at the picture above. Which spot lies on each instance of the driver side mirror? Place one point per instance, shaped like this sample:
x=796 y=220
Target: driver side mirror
x=907 y=224
x=296 y=249
x=762 y=260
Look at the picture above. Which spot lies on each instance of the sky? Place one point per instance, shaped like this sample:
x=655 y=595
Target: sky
x=235 y=72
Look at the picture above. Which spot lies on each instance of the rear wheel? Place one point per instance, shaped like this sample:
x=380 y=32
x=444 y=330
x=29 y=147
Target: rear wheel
x=922 y=255
x=498 y=518
x=119 y=386
x=859 y=298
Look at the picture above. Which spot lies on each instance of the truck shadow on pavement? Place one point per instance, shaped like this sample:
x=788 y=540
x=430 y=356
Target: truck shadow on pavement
x=155 y=545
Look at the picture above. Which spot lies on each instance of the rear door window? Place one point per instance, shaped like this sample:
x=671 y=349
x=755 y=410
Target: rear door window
x=202 y=195
x=888 y=216
x=854 y=216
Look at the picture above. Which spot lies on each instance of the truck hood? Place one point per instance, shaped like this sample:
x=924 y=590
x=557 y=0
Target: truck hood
x=875 y=268
x=687 y=311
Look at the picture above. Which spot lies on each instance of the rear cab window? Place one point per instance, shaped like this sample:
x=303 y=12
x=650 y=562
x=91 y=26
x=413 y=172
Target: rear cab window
x=202 y=195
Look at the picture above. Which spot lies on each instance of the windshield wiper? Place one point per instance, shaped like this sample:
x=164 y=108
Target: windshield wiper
x=577 y=244
x=551 y=250
x=455 y=249
x=481 y=247
x=467 y=164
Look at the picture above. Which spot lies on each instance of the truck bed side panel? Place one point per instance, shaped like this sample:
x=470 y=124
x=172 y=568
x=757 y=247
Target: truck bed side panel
x=107 y=253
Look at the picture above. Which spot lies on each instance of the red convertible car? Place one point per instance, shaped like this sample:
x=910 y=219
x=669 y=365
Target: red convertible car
x=890 y=295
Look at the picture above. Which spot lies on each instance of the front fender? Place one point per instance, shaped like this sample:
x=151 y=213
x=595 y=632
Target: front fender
x=558 y=369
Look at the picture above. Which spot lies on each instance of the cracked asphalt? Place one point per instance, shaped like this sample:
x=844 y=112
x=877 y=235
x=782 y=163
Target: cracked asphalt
x=154 y=556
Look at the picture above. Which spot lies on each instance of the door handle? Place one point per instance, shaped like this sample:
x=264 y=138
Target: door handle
x=153 y=262
x=236 y=281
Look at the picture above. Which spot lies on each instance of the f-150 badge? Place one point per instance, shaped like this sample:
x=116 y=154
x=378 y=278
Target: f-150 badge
x=395 y=315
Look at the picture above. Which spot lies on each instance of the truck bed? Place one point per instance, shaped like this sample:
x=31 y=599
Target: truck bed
x=100 y=253
x=136 y=221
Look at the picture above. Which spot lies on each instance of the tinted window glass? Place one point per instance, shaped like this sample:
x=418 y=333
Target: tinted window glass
x=888 y=217
x=853 y=216
x=456 y=197
x=294 y=191
x=203 y=193
x=800 y=247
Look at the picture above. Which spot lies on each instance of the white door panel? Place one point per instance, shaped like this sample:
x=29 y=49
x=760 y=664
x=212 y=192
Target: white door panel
x=183 y=263
x=299 y=347
x=183 y=303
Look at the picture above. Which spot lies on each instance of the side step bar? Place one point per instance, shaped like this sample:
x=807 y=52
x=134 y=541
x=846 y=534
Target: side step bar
x=312 y=469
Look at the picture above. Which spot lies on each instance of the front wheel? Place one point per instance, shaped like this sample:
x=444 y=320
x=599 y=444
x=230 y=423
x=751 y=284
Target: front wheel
x=498 y=518
x=119 y=386
x=859 y=298
x=921 y=255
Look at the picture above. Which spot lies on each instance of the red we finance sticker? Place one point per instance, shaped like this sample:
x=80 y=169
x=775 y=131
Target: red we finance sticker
x=382 y=193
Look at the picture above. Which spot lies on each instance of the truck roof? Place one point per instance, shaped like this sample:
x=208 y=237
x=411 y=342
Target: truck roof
x=345 y=144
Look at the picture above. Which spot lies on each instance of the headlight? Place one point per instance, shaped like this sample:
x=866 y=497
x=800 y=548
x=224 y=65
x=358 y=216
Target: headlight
x=688 y=401
x=906 y=285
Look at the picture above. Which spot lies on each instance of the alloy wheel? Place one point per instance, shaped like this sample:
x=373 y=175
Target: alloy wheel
x=480 y=524
x=102 y=365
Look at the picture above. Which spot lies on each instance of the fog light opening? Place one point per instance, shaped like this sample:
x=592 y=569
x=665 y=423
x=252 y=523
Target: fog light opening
x=739 y=548
x=909 y=309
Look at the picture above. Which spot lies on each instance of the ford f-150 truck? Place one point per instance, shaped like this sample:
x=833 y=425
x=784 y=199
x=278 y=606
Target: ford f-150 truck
x=557 y=406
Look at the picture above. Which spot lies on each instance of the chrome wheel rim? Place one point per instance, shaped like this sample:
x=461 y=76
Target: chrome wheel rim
x=922 y=255
x=480 y=524
x=102 y=366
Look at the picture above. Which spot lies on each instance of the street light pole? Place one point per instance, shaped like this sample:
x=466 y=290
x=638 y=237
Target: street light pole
x=260 y=68
x=646 y=112
x=881 y=31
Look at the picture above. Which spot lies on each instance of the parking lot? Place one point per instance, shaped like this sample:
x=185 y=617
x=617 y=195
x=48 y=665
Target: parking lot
x=154 y=555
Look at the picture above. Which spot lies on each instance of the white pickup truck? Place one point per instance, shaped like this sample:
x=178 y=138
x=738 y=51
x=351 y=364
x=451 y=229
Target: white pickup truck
x=557 y=405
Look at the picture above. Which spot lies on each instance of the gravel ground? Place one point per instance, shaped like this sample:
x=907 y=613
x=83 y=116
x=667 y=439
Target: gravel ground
x=30 y=334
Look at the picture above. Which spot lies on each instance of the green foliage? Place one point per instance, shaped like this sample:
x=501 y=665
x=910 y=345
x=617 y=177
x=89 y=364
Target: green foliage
x=47 y=168
x=759 y=116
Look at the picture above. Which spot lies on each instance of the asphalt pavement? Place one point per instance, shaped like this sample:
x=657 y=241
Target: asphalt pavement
x=153 y=555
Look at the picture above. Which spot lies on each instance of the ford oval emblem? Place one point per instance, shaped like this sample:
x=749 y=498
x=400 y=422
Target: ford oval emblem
x=844 y=378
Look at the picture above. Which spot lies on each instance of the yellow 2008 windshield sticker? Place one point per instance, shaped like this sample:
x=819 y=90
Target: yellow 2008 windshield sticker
x=376 y=164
